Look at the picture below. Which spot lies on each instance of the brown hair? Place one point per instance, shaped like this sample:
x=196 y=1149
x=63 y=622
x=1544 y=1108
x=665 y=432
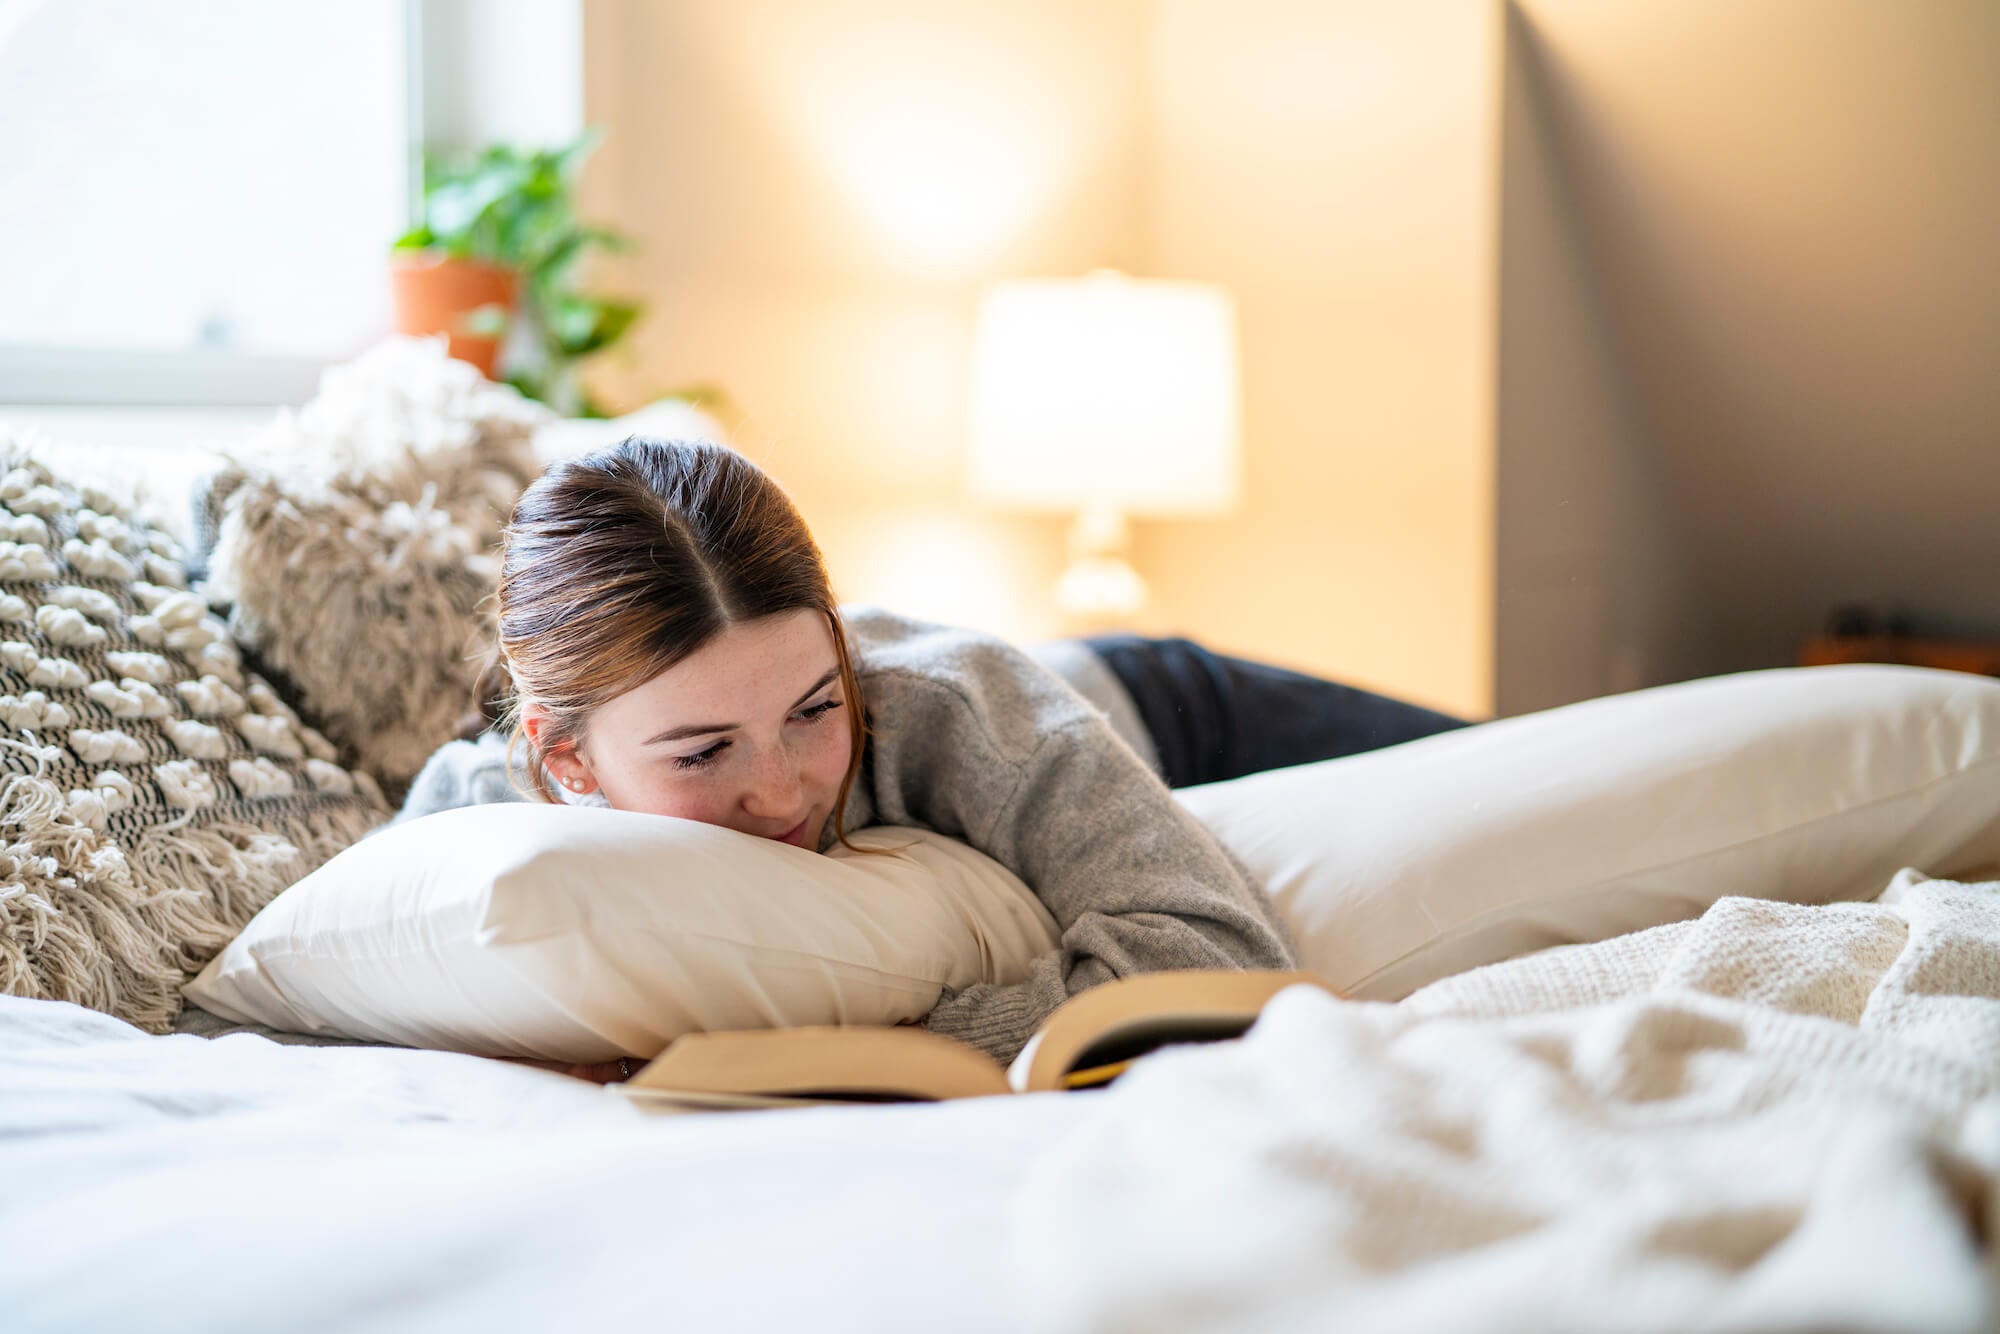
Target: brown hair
x=619 y=564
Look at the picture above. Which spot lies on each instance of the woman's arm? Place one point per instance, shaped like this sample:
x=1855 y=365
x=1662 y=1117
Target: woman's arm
x=975 y=740
x=1134 y=882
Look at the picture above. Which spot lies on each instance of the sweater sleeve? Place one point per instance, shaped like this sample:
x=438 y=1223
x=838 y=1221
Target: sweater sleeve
x=978 y=742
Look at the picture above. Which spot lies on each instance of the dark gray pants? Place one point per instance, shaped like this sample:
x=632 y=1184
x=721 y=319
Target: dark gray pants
x=1213 y=717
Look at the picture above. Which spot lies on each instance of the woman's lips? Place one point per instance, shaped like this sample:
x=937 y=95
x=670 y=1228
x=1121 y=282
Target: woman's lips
x=796 y=835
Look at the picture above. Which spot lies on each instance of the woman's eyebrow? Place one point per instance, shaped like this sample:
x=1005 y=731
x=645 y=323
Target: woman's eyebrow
x=695 y=729
x=817 y=686
x=705 y=729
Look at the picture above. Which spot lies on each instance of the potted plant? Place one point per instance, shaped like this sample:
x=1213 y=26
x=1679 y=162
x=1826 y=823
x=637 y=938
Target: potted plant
x=492 y=264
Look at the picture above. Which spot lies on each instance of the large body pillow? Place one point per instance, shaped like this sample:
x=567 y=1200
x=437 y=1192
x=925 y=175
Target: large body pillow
x=1401 y=866
x=580 y=934
x=577 y=933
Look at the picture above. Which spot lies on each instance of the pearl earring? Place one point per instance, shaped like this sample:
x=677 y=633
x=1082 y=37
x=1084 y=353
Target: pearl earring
x=573 y=784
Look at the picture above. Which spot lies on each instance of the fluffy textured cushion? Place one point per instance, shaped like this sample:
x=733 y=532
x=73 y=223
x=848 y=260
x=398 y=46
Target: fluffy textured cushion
x=580 y=934
x=153 y=794
x=1402 y=866
x=357 y=541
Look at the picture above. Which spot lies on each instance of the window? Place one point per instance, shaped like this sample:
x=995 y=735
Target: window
x=196 y=200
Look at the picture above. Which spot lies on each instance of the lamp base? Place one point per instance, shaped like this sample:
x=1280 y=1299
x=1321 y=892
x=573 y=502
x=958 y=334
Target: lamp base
x=1100 y=587
x=1100 y=590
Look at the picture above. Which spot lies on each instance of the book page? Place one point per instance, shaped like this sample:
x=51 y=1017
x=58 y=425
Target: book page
x=1118 y=1021
x=1017 y=1073
x=858 y=1063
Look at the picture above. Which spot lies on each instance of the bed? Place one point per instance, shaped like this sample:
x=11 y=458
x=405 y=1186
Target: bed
x=1764 y=1095
x=1774 y=1116
x=240 y=1184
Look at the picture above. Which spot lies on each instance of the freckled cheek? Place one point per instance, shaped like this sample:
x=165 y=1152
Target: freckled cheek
x=826 y=763
x=684 y=799
x=703 y=803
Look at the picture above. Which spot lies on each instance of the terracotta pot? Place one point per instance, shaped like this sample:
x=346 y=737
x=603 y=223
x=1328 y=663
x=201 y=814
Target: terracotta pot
x=434 y=294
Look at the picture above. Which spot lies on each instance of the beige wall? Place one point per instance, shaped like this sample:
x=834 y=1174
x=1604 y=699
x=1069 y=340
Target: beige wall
x=1333 y=163
x=821 y=191
x=1585 y=346
x=1787 y=212
x=774 y=156
x=1595 y=590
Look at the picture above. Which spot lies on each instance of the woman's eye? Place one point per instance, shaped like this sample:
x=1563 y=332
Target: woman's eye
x=818 y=711
x=705 y=757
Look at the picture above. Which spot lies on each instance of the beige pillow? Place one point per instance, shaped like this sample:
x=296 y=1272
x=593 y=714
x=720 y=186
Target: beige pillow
x=1401 y=866
x=580 y=934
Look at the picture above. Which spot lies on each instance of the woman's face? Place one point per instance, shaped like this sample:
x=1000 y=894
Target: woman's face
x=750 y=732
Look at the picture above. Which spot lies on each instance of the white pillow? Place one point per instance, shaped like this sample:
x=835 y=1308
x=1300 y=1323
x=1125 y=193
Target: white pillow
x=580 y=934
x=1401 y=866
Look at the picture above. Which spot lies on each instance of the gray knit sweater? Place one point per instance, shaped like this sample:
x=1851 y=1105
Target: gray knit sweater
x=970 y=737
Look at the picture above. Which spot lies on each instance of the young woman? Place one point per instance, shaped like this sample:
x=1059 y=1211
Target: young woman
x=673 y=646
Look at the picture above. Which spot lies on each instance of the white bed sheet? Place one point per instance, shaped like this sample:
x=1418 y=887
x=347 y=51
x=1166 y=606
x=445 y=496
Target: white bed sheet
x=179 y=1183
x=1774 y=1117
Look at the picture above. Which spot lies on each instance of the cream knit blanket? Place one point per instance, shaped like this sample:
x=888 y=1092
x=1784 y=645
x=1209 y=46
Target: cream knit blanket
x=1775 y=1117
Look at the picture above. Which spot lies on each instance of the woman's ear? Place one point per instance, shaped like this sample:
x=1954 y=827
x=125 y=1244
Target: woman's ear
x=562 y=761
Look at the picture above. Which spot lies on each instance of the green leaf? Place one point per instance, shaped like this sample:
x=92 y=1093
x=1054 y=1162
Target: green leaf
x=570 y=159
x=608 y=239
x=488 y=321
x=456 y=209
x=549 y=259
x=581 y=326
x=529 y=385
x=617 y=318
x=572 y=320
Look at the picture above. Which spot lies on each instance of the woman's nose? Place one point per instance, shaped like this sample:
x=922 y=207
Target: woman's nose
x=775 y=790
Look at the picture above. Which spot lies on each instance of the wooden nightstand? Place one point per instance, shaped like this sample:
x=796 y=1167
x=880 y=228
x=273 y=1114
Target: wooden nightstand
x=1954 y=655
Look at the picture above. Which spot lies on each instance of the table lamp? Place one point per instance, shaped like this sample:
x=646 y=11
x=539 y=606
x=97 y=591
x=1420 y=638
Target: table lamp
x=1105 y=396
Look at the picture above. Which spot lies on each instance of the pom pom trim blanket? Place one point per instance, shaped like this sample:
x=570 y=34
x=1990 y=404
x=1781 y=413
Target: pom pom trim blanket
x=1772 y=1117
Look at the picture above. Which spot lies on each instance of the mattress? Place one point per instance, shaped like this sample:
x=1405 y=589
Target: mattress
x=183 y=1183
x=1775 y=1116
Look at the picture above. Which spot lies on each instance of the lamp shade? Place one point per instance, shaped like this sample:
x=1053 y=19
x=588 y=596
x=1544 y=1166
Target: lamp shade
x=1106 y=392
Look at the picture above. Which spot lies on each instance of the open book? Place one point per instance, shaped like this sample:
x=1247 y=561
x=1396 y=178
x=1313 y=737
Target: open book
x=1087 y=1041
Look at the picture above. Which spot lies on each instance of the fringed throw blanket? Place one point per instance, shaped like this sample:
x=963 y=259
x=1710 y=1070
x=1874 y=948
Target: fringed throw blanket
x=154 y=794
x=1772 y=1118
